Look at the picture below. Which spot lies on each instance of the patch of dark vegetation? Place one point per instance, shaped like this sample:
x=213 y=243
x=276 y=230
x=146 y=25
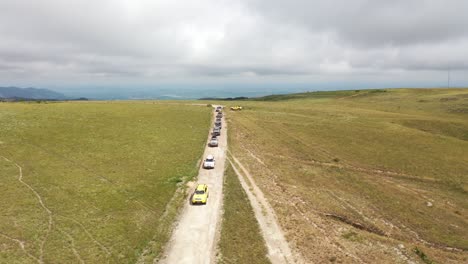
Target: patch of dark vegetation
x=175 y=180
x=370 y=229
x=447 y=99
x=306 y=95
x=352 y=236
x=377 y=91
x=423 y=256
x=461 y=109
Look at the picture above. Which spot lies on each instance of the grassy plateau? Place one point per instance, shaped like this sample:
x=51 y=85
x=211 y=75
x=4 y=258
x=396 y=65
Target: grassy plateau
x=375 y=176
x=94 y=182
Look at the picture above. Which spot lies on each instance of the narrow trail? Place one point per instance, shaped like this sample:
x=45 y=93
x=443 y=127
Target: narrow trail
x=147 y=251
x=21 y=244
x=278 y=248
x=41 y=202
x=194 y=239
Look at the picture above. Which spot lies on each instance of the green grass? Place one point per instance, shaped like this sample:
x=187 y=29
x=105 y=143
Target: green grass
x=332 y=144
x=106 y=170
x=241 y=240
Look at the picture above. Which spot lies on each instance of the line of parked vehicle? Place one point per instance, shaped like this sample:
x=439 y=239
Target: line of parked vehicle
x=200 y=195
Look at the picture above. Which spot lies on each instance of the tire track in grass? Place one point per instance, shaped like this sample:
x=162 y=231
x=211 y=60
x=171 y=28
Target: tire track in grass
x=278 y=248
x=239 y=226
x=41 y=202
x=72 y=245
x=329 y=240
x=90 y=236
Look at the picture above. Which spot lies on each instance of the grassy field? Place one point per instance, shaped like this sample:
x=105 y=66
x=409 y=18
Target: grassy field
x=241 y=241
x=363 y=176
x=105 y=172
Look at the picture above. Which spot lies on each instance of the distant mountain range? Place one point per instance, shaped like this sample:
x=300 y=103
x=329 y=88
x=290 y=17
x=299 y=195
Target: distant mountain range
x=30 y=93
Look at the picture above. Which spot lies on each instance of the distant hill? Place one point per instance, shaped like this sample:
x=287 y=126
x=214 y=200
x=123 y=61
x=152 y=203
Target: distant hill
x=225 y=99
x=30 y=93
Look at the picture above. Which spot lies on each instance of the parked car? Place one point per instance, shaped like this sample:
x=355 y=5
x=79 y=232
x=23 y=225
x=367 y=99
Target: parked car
x=218 y=124
x=209 y=162
x=216 y=131
x=213 y=142
x=218 y=119
x=200 y=195
x=219 y=109
x=236 y=108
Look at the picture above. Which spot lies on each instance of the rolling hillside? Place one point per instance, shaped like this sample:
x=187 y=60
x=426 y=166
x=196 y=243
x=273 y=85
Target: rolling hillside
x=363 y=176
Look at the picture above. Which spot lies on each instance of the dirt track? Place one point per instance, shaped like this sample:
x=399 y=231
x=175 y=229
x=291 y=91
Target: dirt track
x=278 y=248
x=194 y=238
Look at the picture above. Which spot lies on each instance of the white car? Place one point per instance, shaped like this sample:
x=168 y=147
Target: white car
x=209 y=162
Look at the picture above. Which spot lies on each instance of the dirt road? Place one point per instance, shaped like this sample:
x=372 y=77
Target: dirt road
x=194 y=239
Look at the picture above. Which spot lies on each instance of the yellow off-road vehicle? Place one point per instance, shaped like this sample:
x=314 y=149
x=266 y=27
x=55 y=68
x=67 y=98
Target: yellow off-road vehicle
x=236 y=108
x=200 y=195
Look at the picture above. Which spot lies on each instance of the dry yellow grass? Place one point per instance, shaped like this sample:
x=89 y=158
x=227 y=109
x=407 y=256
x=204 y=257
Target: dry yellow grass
x=363 y=176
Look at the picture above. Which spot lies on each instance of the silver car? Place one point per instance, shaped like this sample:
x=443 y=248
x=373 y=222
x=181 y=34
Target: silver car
x=213 y=142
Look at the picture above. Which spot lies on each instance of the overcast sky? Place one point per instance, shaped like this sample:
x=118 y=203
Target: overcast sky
x=133 y=43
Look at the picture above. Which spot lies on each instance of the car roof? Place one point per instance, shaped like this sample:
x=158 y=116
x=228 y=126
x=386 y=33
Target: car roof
x=201 y=187
x=210 y=157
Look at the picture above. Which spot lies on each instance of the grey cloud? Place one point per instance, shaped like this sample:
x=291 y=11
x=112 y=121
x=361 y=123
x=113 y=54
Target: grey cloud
x=150 y=41
x=371 y=23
